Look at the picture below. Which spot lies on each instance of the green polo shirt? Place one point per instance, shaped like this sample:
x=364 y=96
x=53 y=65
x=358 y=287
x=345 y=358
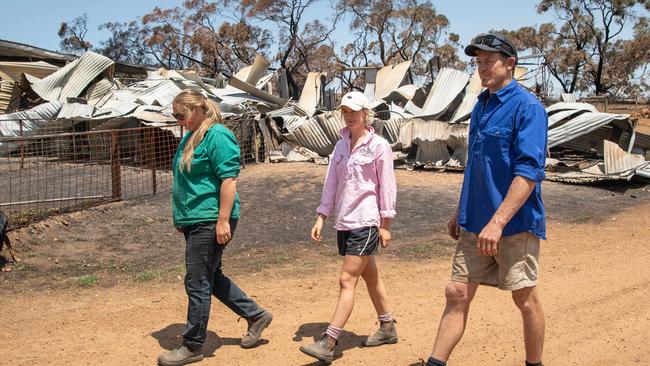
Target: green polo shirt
x=195 y=195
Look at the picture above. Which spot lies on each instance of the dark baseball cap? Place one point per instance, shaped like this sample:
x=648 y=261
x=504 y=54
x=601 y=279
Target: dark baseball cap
x=492 y=43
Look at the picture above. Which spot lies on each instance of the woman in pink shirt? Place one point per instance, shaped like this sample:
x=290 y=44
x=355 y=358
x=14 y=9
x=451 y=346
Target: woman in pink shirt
x=360 y=185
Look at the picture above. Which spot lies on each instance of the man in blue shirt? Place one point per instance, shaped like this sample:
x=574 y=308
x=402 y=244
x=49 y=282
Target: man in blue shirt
x=500 y=217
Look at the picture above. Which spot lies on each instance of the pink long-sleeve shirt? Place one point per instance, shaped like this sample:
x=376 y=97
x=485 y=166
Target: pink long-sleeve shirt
x=360 y=184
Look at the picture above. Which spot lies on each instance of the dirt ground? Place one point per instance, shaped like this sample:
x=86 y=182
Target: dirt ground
x=104 y=286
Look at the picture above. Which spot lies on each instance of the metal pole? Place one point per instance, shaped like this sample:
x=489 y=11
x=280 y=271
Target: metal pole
x=256 y=142
x=151 y=157
x=53 y=200
x=22 y=145
x=242 y=161
x=116 y=174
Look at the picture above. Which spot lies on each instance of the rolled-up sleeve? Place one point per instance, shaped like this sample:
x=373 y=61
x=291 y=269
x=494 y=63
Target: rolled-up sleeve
x=387 y=183
x=530 y=142
x=223 y=151
x=329 y=188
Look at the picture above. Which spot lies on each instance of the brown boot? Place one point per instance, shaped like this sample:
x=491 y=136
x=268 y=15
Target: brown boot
x=386 y=334
x=255 y=327
x=322 y=350
x=180 y=356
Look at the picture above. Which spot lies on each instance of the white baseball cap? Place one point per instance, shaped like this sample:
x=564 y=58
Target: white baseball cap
x=354 y=100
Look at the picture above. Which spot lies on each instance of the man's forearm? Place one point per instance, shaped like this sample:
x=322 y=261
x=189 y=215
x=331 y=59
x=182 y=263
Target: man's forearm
x=519 y=191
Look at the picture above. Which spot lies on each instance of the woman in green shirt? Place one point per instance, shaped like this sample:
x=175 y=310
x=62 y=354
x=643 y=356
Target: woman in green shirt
x=205 y=207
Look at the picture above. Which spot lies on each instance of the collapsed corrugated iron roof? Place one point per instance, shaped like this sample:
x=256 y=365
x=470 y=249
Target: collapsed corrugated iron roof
x=448 y=85
x=581 y=127
x=26 y=122
x=72 y=79
x=318 y=134
x=616 y=165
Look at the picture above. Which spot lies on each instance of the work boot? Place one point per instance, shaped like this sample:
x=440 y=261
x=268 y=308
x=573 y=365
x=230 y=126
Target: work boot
x=386 y=334
x=255 y=327
x=323 y=349
x=180 y=356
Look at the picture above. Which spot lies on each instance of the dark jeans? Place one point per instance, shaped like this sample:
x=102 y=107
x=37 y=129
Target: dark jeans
x=204 y=278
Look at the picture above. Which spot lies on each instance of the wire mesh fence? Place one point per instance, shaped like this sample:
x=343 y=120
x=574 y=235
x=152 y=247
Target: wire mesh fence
x=66 y=167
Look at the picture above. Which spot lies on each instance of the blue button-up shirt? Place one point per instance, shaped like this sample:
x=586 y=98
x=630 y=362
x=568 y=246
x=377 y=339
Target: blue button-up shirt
x=507 y=137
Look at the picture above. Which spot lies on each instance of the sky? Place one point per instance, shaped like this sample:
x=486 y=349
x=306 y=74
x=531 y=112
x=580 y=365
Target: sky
x=36 y=22
x=467 y=18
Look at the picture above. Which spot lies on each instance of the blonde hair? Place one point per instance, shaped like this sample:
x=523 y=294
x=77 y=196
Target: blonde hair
x=188 y=101
x=370 y=116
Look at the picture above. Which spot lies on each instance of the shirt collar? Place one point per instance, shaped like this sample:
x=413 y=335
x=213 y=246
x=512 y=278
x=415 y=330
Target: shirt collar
x=347 y=136
x=503 y=94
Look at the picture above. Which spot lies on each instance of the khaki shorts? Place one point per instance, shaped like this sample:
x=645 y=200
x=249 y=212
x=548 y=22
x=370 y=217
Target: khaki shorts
x=514 y=266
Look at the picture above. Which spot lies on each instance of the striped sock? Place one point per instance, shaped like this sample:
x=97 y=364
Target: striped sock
x=333 y=331
x=385 y=318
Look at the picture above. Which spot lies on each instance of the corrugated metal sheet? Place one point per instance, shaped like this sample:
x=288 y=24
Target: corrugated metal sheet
x=71 y=80
x=153 y=115
x=593 y=141
x=617 y=165
x=311 y=93
x=580 y=177
x=569 y=97
x=436 y=130
x=391 y=130
x=562 y=106
x=432 y=153
x=331 y=123
x=618 y=161
x=319 y=133
x=253 y=73
x=405 y=134
x=28 y=80
x=560 y=116
x=644 y=171
x=389 y=78
x=252 y=90
x=32 y=120
x=464 y=110
x=162 y=93
x=398 y=112
x=311 y=136
x=581 y=125
x=448 y=84
x=292 y=123
x=100 y=91
x=76 y=111
x=436 y=139
x=288 y=111
x=9 y=95
x=407 y=92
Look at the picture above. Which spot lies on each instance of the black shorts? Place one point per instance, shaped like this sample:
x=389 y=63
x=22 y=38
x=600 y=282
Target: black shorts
x=364 y=241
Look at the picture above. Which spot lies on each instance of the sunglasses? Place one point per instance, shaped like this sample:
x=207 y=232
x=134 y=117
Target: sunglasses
x=179 y=116
x=495 y=41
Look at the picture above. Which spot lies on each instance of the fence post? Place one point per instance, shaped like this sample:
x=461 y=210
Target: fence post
x=256 y=141
x=116 y=171
x=242 y=160
x=149 y=141
x=22 y=145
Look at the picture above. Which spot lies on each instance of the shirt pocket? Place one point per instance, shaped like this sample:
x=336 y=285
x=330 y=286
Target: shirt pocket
x=201 y=164
x=363 y=167
x=496 y=142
